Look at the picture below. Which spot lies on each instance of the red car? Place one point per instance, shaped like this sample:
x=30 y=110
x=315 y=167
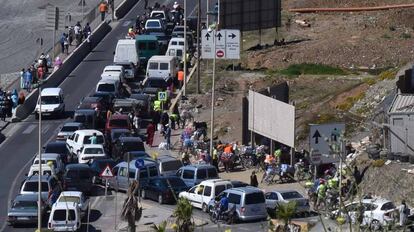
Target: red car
x=119 y=121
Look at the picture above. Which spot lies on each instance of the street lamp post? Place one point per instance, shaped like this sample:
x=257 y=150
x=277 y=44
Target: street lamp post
x=39 y=187
x=185 y=48
x=213 y=93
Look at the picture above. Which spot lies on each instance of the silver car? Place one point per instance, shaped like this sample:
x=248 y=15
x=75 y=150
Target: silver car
x=68 y=129
x=276 y=197
x=23 y=210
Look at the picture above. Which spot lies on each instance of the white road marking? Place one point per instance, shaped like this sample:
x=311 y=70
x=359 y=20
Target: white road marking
x=126 y=23
x=29 y=129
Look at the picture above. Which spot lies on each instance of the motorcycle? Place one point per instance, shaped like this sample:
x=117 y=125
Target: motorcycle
x=227 y=216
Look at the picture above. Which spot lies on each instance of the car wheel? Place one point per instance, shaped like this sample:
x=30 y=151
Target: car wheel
x=204 y=208
x=160 y=199
x=375 y=225
x=143 y=194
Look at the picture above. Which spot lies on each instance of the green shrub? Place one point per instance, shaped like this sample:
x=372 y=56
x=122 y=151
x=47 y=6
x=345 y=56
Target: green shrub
x=378 y=163
x=312 y=69
x=387 y=74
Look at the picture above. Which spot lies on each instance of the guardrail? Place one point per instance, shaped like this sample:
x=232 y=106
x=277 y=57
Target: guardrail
x=178 y=97
x=69 y=64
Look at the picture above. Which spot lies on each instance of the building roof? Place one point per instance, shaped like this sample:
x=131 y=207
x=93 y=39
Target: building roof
x=402 y=104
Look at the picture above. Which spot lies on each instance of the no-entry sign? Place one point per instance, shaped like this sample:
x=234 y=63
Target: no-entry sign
x=220 y=53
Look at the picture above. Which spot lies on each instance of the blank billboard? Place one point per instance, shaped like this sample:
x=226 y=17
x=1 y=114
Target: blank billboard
x=272 y=118
x=248 y=15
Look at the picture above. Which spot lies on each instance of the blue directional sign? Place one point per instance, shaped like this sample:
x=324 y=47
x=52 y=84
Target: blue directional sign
x=139 y=163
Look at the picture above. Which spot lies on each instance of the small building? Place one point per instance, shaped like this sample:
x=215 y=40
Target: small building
x=401 y=124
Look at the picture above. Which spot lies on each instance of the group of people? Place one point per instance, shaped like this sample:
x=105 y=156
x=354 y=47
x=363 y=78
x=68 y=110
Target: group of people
x=75 y=33
x=8 y=102
x=36 y=71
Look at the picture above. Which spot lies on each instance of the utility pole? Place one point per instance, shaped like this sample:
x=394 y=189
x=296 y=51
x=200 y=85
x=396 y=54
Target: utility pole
x=198 y=45
x=39 y=186
x=213 y=93
x=185 y=48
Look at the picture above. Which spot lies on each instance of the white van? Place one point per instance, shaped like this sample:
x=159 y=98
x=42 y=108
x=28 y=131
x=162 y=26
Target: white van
x=65 y=216
x=176 y=50
x=46 y=170
x=162 y=67
x=115 y=76
x=115 y=69
x=51 y=102
x=176 y=41
x=126 y=52
x=108 y=86
x=76 y=141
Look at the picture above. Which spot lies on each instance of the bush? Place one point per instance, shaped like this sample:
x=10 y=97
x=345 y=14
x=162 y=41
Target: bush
x=387 y=75
x=312 y=69
x=378 y=163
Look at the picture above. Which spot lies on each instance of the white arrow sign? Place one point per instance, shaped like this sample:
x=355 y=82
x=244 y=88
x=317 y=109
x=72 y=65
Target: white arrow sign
x=227 y=44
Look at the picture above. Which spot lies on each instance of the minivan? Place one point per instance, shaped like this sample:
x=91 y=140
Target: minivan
x=126 y=51
x=65 y=216
x=53 y=158
x=176 y=51
x=162 y=67
x=146 y=47
x=115 y=69
x=249 y=201
x=81 y=137
x=88 y=118
x=109 y=86
x=194 y=174
x=168 y=165
x=120 y=171
x=51 y=103
x=49 y=185
x=78 y=177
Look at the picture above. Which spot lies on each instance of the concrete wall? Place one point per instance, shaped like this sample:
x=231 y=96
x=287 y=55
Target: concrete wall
x=124 y=8
x=70 y=63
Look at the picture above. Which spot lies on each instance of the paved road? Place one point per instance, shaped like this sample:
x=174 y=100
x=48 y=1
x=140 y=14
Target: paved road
x=22 y=138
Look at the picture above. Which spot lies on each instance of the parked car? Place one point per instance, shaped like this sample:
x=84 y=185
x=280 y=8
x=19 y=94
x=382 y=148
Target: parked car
x=163 y=189
x=201 y=194
x=377 y=212
x=58 y=147
x=78 y=177
x=49 y=186
x=53 y=158
x=194 y=174
x=95 y=103
x=133 y=155
x=276 y=197
x=82 y=137
x=76 y=197
x=142 y=175
x=23 y=210
x=46 y=170
x=98 y=166
x=131 y=70
x=90 y=152
x=64 y=216
x=117 y=121
x=155 y=25
x=144 y=104
x=115 y=134
x=249 y=201
x=126 y=144
x=115 y=69
x=68 y=129
x=168 y=165
x=107 y=97
x=128 y=105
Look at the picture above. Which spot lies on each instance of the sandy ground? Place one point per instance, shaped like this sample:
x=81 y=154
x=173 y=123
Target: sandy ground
x=22 y=22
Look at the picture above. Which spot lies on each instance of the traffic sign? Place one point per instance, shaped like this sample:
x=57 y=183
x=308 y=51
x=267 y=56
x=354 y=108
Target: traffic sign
x=139 y=163
x=227 y=44
x=107 y=172
x=162 y=96
x=319 y=138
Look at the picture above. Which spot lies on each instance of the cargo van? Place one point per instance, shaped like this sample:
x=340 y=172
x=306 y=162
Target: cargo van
x=176 y=41
x=162 y=67
x=51 y=102
x=65 y=216
x=168 y=165
x=176 y=51
x=120 y=171
x=146 y=47
x=126 y=52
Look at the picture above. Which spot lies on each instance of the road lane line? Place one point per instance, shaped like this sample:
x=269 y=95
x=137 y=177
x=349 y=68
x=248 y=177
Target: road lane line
x=29 y=129
x=45 y=128
x=126 y=23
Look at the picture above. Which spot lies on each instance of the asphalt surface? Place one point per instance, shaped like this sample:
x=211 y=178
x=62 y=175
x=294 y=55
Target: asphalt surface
x=21 y=145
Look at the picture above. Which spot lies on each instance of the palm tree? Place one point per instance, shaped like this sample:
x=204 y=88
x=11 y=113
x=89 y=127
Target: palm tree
x=162 y=227
x=285 y=212
x=183 y=216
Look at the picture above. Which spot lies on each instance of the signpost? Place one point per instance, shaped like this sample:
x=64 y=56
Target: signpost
x=319 y=138
x=162 y=97
x=139 y=163
x=52 y=23
x=106 y=173
x=227 y=44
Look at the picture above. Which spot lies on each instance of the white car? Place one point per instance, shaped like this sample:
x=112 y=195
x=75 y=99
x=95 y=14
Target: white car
x=81 y=137
x=76 y=197
x=275 y=197
x=89 y=152
x=377 y=212
x=64 y=216
x=200 y=195
x=51 y=158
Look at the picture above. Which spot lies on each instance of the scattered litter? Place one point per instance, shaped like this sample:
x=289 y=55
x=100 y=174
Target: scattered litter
x=387 y=162
x=302 y=23
x=410 y=171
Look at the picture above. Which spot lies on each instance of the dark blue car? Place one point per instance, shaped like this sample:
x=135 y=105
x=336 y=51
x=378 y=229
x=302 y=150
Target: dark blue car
x=163 y=189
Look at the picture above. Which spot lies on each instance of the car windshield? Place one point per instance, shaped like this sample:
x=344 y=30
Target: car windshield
x=49 y=100
x=254 y=198
x=118 y=122
x=154 y=24
x=25 y=204
x=93 y=150
x=388 y=206
x=32 y=186
x=173 y=165
x=69 y=199
x=291 y=195
x=176 y=182
x=106 y=88
x=99 y=139
x=45 y=161
x=69 y=129
x=116 y=135
x=56 y=149
x=83 y=119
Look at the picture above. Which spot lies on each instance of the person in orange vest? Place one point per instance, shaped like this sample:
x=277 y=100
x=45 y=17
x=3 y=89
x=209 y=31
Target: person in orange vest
x=103 y=8
x=180 y=76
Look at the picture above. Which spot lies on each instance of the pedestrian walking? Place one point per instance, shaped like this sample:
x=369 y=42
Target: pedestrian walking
x=71 y=35
x=86 y=30
x=62 y=42
x=21 y=78
x=78 y=33
x=28 y=80
x=150 y=133
x=66 y=44
x=165 y=118
x=103 y=8
x=167 y=136
x=22 y=98
x=404 y=211
x=253 y=180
